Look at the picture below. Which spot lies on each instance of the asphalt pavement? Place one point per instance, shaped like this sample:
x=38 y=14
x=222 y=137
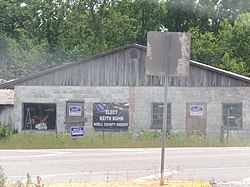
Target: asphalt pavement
x=221 y=166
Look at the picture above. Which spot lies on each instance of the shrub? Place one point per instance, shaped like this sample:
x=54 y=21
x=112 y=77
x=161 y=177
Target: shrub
x=2 y=177
x=6 y=130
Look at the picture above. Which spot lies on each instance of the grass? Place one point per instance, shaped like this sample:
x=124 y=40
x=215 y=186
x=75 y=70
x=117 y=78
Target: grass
x=143 y=139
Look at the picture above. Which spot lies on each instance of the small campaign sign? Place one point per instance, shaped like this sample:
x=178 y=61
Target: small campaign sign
x=76 y=132
x=75 y=110
x=196 y=110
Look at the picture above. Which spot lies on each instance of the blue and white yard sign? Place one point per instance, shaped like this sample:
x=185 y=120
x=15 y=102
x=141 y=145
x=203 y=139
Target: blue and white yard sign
x=76 y=132
x=75 y=110
x=196 y=110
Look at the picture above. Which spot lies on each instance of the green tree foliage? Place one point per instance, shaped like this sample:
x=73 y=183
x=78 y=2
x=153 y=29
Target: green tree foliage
x=39 y=34
x=178 y=12
x=204 y=47
x=233 y=65
x=22 y=58
x=28 y=44
x=142 y=16
x=13 y=17
x=94 y=12
x=49 y=20
x=241 y=38
x=230 y=9
x=229 y=49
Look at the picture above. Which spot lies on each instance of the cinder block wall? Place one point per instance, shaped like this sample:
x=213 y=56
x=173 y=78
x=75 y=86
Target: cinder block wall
x=61 y=94
x=140 y=99
x=179 y=96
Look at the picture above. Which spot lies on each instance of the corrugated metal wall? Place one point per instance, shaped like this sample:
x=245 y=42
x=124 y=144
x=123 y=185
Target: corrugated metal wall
x=6 y=114
x=127 y=68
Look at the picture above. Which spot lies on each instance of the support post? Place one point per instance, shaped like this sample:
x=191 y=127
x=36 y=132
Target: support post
x=164 y=125
x=164 y=129
x=228 y=114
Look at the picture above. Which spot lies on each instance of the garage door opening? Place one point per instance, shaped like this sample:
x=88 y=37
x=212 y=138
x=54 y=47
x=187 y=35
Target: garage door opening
x=39 y=116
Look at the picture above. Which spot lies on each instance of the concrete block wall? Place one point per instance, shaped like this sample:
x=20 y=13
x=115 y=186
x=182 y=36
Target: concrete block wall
x=140 y=99
x=61 y=94
x=178 y=97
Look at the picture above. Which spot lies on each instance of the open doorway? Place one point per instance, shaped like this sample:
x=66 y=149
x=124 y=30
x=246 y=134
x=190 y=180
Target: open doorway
x=39 y=116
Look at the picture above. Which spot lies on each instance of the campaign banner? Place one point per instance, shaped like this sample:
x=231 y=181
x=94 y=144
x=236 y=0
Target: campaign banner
x=111 y=115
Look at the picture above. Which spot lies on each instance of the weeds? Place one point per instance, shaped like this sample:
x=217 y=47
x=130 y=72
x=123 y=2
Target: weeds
x=29 y=181
x=143 y=139
x=39 y=182
x=2 y=177
x=18 y=183
x=6 y=130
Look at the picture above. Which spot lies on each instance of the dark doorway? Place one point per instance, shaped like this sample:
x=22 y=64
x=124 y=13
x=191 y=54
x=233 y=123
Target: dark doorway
x=39 y=116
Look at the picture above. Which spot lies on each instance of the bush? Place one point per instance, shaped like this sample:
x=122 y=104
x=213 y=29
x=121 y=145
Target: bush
x=2 y=177
x=6 y=130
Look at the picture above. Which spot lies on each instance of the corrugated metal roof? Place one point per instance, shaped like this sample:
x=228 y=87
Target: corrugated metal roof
x=221 y=71
x=6 y=97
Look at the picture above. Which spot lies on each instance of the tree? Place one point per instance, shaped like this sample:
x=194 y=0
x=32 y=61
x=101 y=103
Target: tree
x=4 y=72
x=84 y=27
x=228 y=49
x=204 y=47
x=179 y=11
x=240 y=41
x=233 y=65
x=39 y=34
x=13 y=16
x=230 y=9
x=142 y=16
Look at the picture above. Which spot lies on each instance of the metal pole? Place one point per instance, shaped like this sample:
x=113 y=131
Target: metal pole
x=103 y=131
x=164 y=129
x=228 y=113
x=164 y=126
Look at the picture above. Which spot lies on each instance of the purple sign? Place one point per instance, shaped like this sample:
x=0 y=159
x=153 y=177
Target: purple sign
x=111 y=115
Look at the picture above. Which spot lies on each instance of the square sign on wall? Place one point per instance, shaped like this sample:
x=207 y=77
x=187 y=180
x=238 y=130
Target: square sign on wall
x=75 y=110
x=196 y=110
x=111 y=116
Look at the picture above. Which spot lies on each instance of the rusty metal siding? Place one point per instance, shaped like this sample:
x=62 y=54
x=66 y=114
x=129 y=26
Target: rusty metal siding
x=6 y=114
x=126 y=67
x=6 y=106
x=6 y=97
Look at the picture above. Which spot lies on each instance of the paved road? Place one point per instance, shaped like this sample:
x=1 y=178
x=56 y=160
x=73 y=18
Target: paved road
x=206 y=164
